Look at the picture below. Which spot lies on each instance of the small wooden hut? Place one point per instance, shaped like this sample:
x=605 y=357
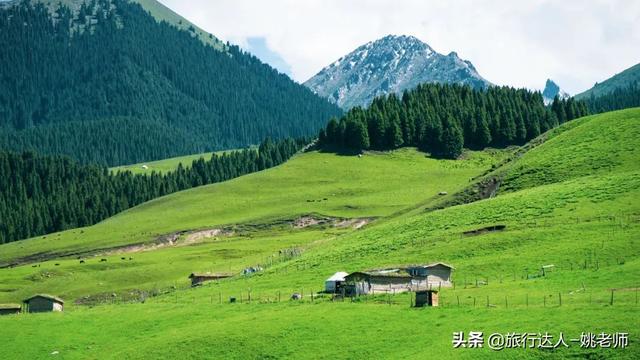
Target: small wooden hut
x=44 y=303
x=377 y=281
x=426 y=298
x=10 y=309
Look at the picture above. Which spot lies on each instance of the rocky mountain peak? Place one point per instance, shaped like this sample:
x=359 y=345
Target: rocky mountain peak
x=391 y=64
x=551 y=89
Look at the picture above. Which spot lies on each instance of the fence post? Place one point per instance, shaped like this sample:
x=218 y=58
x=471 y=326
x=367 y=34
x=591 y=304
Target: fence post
x=611 y=302
x=560 y=299
x=506 y=303
x=487 y=300
x=458 y=297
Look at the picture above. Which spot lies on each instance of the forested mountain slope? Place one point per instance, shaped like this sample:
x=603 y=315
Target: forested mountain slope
x=622 y=80
x=107 y=83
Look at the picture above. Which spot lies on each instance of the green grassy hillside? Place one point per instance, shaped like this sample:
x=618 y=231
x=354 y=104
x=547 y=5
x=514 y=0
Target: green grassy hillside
x=261 y=207
x=560 y=204
x=163 y=13
x=581 y=148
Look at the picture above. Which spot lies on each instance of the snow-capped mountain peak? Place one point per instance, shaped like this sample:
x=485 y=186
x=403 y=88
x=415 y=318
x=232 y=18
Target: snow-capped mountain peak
x=391 y=64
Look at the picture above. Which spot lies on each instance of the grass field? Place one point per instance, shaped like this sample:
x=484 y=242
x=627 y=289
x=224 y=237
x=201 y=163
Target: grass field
x=572 y=202
x=323 y=185
x=165 y=165
x=288 y=330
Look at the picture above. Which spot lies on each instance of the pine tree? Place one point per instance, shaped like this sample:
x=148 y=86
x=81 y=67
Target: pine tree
x=394 y=135
x=356 y=135
x=484 y=134
x=452 y=139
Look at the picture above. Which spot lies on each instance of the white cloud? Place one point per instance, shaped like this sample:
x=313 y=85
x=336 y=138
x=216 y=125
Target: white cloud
x=517 y=43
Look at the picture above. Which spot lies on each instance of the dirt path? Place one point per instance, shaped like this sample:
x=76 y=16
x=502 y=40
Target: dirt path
x=191 y=237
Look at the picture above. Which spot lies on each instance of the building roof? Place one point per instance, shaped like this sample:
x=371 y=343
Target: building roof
x=339 y=276
x=431 y=265
x=390 y=274
x=210 y=275
x=427 y=291
x=46 y=296
x=10 y=306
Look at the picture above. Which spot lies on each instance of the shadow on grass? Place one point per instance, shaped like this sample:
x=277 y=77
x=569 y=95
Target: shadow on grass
x=338 y=150
x=344 y=151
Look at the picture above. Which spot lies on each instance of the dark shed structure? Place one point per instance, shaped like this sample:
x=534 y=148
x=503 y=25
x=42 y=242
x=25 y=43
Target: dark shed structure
x=10 y=309
x=426 y=298
x=44 y=303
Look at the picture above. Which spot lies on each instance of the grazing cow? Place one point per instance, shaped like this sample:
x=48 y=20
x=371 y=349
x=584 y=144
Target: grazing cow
x=103 y=260
x=123 y=258
x=81 y=261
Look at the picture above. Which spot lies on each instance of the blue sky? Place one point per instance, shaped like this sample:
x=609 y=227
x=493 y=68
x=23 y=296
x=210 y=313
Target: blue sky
x=516 y=43
x=258 y=46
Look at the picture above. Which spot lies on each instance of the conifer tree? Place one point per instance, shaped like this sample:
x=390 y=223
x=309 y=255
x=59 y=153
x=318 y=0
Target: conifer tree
x=452 y=140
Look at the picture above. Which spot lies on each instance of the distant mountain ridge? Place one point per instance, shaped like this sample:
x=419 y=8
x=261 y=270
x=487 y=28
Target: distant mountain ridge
x=623 y=79
x=390 y=65
x=158 y=10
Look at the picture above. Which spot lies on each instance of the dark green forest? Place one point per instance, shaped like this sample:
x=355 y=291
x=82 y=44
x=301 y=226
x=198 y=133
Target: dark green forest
x=109 y=84
x=44 y=194
x=442 y=119
x=619 y=98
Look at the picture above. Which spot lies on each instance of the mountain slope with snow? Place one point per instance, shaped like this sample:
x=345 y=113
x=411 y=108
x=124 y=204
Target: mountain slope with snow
x=390 y=65
x=551 y=90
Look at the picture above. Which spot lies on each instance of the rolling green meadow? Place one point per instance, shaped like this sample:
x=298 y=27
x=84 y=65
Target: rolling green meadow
x=571 y=201
x=256 y=207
